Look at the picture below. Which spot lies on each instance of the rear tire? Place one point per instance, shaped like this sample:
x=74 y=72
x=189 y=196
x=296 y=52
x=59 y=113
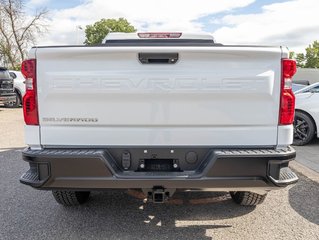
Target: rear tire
x=304 y=129
x=247 y=198
x=70 y=198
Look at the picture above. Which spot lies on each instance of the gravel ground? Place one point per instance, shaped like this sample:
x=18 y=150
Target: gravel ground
x=25 y=213
x=12 y=128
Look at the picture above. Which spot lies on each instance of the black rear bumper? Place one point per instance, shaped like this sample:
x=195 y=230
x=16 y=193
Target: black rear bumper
x=220 y=169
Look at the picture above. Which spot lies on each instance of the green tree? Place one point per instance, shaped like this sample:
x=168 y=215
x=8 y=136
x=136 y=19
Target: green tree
x=292 y=55
x=18 y=31
x=300 y=59
x=96 y=32
x=308 y=60
x=312 y=55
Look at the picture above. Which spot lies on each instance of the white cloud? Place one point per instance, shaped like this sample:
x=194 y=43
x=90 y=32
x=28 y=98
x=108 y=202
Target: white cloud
x=160 y=15
x=37 y=3
x=293 y=23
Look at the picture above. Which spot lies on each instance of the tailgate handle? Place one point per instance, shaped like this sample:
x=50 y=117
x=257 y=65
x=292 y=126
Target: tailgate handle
x=158 y=58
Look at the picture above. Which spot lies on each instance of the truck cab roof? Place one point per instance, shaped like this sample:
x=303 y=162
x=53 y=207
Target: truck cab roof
x=157 y=35
x=159 y=39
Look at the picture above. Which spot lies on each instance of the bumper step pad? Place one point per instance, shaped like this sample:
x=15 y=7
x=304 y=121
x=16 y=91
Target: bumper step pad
x=33 y=178
x=286 y=176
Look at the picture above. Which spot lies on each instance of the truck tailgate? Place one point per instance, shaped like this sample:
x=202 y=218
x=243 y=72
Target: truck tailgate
x=104 y=96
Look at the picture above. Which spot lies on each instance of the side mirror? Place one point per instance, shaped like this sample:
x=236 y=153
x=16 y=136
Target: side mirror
x=13 y=75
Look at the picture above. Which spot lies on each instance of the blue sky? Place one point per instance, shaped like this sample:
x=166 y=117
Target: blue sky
x=57 y=5
x=275 y=22
x=253 y=8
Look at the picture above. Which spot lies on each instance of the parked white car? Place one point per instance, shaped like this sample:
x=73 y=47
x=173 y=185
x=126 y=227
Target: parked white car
x=307 y=114
x=19 y=88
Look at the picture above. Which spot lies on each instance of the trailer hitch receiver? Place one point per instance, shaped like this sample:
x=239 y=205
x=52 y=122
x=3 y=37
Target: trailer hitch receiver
x=159 y=194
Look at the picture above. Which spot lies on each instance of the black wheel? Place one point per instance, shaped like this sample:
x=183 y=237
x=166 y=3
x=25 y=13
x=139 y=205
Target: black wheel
x=247 y=198
x=304 y=129
x=70 y=198
x=16 y=103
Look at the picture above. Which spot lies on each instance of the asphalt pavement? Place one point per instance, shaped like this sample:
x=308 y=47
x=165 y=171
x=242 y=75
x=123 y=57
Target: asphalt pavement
x=308 y=155
x=25 y=213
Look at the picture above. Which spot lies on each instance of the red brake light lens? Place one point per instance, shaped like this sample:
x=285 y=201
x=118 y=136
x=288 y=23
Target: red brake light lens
x=30 y=103
x=289 y=68
x=287 y=103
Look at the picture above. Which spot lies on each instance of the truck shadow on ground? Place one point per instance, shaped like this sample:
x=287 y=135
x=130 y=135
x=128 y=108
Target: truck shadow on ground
x=304 y=199
x=314 y=142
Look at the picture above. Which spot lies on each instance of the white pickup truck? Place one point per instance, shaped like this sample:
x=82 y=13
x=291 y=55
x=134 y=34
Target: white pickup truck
x=159 y=112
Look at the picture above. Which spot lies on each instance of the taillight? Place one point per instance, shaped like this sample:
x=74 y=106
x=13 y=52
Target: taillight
x=30 y=104
x=287 y=102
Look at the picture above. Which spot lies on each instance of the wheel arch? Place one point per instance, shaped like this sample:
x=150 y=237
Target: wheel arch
x=19 y=92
